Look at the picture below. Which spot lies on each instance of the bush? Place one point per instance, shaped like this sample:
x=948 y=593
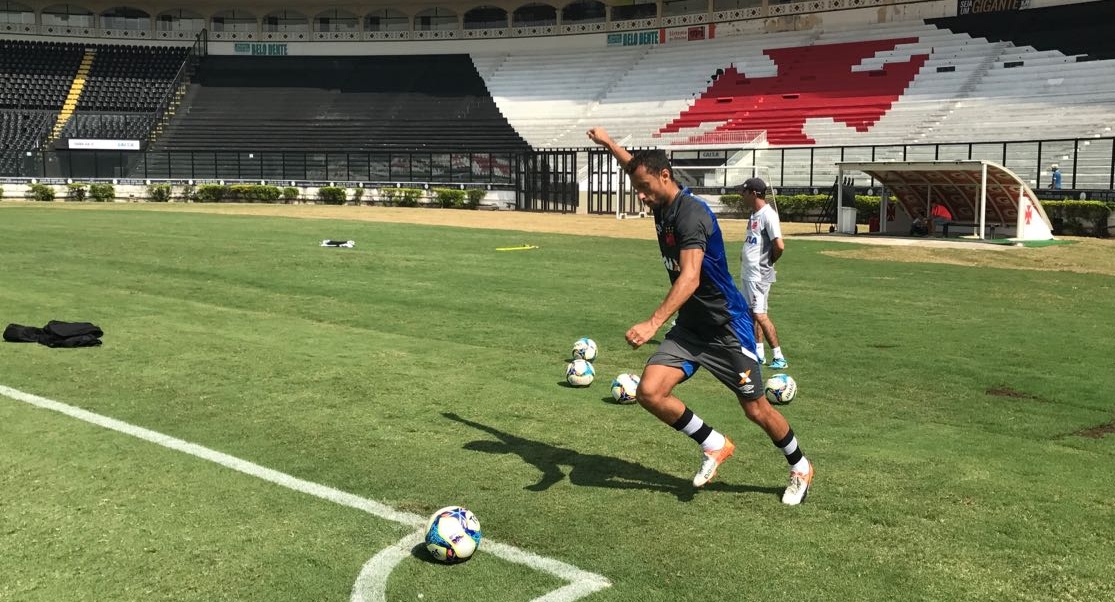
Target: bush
x=357 y=194
x=734 y=203
x=1080 y=218
x=402 y=197
x=189 y=193
x=450 y=197
x=42 y=192
x=159 y=193
x=211 y=193
x=800 y=207
x=1 y=193
x=475 y=195
x=866 y=206
x=76 y=192
x=252 y=193
x=102 y=192
x=290 y=194
x=331 y=195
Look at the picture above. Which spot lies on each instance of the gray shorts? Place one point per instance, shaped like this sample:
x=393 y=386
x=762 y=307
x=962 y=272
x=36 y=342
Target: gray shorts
x=721 y=355
x=757 y=294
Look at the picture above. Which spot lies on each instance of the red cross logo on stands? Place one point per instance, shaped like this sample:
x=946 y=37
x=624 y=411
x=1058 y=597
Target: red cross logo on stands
x=812 y=82
x=1029 y=212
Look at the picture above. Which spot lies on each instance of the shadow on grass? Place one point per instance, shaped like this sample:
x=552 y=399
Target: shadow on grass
x=592 y=470
x=420 y=552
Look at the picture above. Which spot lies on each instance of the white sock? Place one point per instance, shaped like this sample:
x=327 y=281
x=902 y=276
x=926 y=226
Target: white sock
x=777 y=351
x=714 y=442
x=801 y=466
x=691 y=424
x=759 y=352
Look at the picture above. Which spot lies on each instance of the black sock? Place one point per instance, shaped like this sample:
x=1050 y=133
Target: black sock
x=789 y=446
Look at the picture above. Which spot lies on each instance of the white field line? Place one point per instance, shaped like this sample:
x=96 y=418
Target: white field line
x=371 y=583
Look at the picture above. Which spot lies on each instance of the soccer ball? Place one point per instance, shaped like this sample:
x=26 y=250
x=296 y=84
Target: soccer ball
x=579 y=373
x=584 y=349
x=624 y=387
x=780 y=389
x=453 y=534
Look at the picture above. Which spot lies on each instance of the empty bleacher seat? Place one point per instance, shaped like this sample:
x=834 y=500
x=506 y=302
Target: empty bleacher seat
x=342 y=104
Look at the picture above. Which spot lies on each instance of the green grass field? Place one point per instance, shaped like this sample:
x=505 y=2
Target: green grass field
x=943 y=407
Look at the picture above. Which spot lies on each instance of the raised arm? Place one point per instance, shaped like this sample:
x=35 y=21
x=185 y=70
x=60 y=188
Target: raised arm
x=601 y=137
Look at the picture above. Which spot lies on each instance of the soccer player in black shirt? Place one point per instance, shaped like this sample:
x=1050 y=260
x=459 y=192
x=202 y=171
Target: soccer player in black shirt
x=713 y=328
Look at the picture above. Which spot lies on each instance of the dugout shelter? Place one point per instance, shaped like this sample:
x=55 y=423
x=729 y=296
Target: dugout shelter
x=982 y=196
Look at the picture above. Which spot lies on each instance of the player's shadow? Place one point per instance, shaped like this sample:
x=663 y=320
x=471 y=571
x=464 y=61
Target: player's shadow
x=591 y=470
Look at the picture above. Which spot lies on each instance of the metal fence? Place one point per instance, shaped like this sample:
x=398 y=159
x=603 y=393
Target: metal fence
x=1085 y=164
x=491 y=168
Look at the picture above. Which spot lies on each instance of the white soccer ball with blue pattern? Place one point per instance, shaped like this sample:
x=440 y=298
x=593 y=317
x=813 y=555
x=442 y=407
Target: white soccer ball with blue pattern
x=584 y=349
x=781 y=389
x=624 y=387
x=453 y=535
x=579 y=373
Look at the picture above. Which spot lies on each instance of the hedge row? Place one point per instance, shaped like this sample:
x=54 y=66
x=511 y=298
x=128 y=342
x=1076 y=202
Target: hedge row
x=76 y=192
x=329 y=195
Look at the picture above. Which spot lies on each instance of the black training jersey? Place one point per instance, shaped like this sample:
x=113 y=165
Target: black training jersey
x=688 y=223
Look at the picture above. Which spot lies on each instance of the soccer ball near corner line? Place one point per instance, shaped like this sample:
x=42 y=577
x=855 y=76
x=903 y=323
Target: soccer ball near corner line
x=579 y=373
x=584 y=349
x=624 y=387
x=781 y=389
x=452 y=535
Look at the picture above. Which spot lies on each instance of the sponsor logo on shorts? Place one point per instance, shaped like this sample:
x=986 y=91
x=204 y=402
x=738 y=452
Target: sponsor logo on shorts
x=745 y=377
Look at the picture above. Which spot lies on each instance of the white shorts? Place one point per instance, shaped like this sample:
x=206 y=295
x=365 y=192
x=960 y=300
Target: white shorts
x=757 y=293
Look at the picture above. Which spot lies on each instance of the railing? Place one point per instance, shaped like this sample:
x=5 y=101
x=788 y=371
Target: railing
x=767 y=10
x=1087 y=165
x=729 y=137
x=458 y=167
x=198 y=49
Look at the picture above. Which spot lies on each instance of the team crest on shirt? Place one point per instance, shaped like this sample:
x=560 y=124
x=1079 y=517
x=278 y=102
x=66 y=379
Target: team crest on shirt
x=668 y=236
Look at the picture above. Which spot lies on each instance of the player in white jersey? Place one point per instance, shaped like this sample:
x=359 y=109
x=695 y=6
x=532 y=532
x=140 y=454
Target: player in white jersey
x=762 y=247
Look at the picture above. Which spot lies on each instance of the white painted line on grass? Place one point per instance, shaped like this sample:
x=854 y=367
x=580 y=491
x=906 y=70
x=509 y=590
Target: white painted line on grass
x=373 y=577
x=371 y=584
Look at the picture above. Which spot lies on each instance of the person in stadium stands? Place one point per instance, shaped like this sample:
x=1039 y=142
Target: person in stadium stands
x=713 y=328
x=939 y=216
x=761 y=248
x=1055 y=183
x=920 y=225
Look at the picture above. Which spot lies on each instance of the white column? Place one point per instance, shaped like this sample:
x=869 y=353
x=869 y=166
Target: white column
x=982 y=199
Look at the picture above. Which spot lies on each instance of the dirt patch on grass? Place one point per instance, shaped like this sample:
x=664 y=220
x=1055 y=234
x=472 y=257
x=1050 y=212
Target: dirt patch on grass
x=1005 y=391
x=1098 y=432
x=1089 y=255
x=1086 y=255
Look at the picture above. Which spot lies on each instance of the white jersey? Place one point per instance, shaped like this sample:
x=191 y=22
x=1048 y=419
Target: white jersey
x=762 y=230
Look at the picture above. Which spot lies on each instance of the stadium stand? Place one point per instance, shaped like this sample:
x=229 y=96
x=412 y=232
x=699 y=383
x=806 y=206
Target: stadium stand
x=34 y=81
x=123 y=91
x=954 y=88
x=423 y=102
x=1082 y=30
x=36 y=75
x=907 y=82
x=812 y=81
x=21 y=129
